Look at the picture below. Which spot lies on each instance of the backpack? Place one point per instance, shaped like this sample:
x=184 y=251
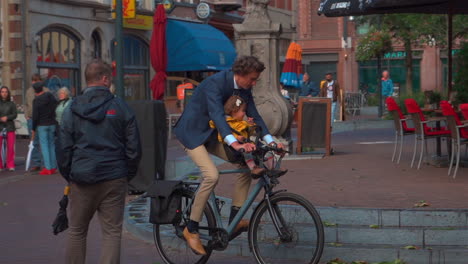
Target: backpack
x=166 y=202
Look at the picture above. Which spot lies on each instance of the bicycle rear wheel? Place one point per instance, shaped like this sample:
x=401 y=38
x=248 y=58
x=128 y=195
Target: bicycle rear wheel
x=170 y=242
x=303 y=234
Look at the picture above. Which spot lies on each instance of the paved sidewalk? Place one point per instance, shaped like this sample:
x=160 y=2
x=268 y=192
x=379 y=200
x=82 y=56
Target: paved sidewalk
x=368 y=200
x=360 y=174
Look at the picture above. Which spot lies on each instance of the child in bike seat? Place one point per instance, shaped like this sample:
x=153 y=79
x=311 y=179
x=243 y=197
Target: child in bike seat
x=235 y=108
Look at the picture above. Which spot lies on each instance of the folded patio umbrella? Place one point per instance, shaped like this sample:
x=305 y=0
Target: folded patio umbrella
x=158 y=52
x=291 y=74
x=28 y=158
x=61 y=220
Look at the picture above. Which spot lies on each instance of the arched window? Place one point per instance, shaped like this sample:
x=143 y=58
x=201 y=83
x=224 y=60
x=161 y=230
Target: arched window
x=136 y=67
x=58 y=59
x=96 y=45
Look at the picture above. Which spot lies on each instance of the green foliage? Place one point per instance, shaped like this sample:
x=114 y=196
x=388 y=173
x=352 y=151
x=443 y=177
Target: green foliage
x=434 y=29
x=419 y=97
x=435 y=97
x=461 y=78
x=373 y=44
x=373 y=100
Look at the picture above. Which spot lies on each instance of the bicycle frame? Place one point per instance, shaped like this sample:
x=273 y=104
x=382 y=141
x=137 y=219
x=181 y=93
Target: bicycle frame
x=263 y=183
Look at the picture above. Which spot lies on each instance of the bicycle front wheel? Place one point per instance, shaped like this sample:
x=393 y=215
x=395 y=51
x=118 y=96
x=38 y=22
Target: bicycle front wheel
x=170 y=242
x=302 y=236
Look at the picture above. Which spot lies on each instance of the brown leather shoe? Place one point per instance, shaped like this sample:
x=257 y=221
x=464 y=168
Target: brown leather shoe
x=194 y=242
x=242 y=226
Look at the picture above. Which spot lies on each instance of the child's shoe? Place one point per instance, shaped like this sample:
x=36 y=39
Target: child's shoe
x=257 y=172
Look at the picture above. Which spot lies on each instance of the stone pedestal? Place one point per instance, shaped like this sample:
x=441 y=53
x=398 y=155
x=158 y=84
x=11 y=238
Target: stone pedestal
x=258 y=36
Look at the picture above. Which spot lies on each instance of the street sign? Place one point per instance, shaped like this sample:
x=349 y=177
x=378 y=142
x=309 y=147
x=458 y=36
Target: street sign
x=128 y=8
x=203 y=11
x=141 y=22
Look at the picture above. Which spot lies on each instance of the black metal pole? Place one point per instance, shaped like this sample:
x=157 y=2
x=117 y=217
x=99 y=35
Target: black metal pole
x=119 y=84
x=379 y=71
x=449 y=51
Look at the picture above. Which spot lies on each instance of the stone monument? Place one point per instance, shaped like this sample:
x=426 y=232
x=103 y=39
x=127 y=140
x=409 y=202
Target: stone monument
x=258 y=36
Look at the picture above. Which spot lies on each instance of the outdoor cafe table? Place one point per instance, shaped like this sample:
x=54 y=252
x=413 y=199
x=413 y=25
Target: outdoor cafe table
x=437 y=119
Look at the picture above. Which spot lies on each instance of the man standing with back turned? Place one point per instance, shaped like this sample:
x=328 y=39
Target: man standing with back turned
x=196 y=135
x=99 y=151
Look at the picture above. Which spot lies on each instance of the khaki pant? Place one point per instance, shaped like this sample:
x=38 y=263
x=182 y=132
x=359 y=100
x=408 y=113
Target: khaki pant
x=108 y=199
x=200 y=156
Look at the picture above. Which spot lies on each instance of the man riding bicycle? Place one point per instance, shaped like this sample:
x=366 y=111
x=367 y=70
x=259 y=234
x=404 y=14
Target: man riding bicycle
x=199 y=139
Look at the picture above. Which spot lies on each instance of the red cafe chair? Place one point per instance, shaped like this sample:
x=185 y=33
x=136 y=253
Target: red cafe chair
x=458 y=134
x=464 y=110
x=401 y=126
x=422 y=130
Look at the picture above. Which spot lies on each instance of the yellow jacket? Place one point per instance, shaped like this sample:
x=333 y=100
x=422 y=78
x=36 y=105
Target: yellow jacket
x=240 y=126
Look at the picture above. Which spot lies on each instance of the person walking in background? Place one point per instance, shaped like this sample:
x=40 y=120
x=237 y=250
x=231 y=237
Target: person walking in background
x=45 y=124
x=100 y=151
x=8 y=114
x=387 y=88
x=186 y=84
x=308 y=87
x=28 y=113
x=64 y=101
x=331 y=89
x=387 y=85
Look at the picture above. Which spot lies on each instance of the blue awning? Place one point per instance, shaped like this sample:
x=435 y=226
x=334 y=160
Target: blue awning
x=197 y=47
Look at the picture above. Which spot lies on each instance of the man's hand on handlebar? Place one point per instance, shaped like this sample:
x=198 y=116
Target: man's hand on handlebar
x=279 y=147
x=247 y=147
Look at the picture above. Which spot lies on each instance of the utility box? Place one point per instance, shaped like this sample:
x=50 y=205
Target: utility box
x=314 y=125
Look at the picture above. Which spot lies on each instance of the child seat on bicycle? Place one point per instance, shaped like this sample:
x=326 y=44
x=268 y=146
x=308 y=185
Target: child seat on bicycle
x=234 y=108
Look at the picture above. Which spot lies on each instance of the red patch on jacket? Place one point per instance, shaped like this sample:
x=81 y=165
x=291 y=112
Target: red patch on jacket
x=111 y=112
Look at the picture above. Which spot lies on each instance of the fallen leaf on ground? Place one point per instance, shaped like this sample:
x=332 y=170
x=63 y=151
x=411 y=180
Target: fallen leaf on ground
x=328 y=224
x=336 y=261
x=336 y=244
x=421 y=203
x=359 y=262
x=410 y=247
x=374 y=226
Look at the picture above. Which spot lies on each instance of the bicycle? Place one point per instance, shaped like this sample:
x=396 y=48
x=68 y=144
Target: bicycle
x=277 y=225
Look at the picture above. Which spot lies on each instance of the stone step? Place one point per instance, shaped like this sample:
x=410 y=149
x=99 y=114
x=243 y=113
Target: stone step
x=358 y=233
x=379 y=253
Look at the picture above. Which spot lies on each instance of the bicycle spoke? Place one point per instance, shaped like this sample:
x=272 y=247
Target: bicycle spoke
x=302 y=233
x=172 y=248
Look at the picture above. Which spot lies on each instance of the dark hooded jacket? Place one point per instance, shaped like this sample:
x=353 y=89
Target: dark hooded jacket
x=98 y=139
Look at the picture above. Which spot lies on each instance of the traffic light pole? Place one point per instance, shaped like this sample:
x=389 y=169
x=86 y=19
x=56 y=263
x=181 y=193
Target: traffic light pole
x=119 y=81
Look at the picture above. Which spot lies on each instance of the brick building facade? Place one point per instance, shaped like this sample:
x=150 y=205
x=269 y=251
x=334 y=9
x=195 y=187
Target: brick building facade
x=11 y=45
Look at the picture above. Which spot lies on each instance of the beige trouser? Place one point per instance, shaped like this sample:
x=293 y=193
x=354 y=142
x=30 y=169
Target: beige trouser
x=108 y=199
x=202 y=159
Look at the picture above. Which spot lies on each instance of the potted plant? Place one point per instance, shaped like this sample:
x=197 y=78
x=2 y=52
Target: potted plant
x=434 y=99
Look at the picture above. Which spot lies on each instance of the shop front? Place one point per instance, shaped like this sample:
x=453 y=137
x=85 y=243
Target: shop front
x=394 y=62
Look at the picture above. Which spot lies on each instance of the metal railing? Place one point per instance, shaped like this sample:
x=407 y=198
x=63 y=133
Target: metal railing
x=354 y=102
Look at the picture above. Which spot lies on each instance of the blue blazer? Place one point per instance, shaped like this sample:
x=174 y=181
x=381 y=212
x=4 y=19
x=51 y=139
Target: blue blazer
x=207 y=103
